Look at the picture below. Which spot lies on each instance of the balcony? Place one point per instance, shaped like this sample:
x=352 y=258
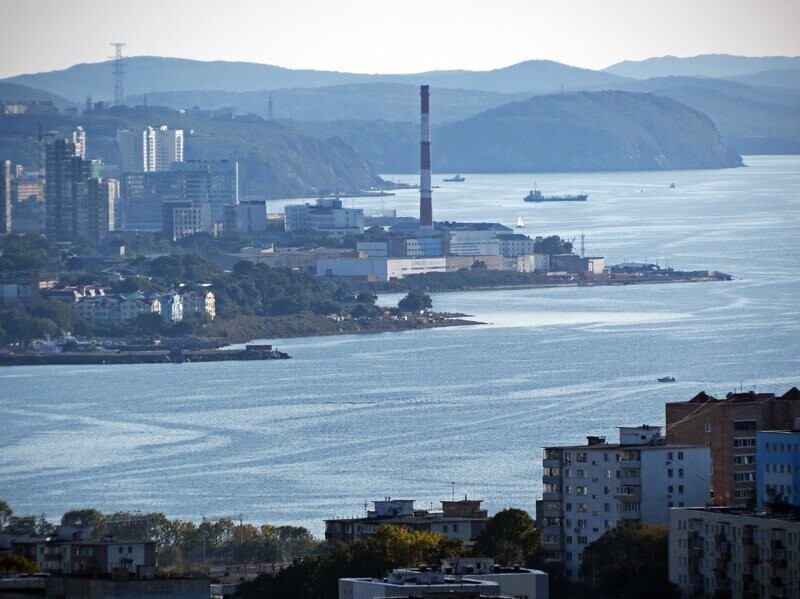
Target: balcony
x=696 y=553
x=753 y=560
x=747 y=541
x=776 y=581
x=776 y=544
x=552 y=479
x=778 y=562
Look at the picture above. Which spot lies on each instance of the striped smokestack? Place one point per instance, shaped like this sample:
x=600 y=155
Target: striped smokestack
x=425 y=204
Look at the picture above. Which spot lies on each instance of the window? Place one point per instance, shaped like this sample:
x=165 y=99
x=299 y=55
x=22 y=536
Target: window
x=583 y=540
x=581 y=490
x=608 y=474
x=669 y=455
x=119 y=549
x=568 y=489
x=567 y=507
x=744 y=425
x=455 y=527
x=567 y=473
x=582 y=507
x=568 y=457
x=581 y=456
x=743 y=477
x=581 y=474
x=581 y=523
x=680 y=455
x=707 y=428
x=680 y=488
x=744 y=442
x=746 y=459
x=607 y=507
x=669 y=473
x=568 y=539
x=680 y=472
x=669 y=489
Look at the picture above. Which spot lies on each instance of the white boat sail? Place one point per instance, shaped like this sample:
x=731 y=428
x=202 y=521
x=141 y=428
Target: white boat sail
x=520 y=223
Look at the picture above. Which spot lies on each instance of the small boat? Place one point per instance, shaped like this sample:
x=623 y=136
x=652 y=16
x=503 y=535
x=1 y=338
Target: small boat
x=456 y=179
x=520 y=223
x=666 y=379
x=672 y=186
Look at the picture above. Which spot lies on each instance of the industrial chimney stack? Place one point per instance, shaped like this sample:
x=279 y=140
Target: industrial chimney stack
x=425 y=204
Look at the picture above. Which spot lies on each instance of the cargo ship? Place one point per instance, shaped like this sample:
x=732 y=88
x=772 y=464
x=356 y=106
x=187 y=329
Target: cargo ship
x=536 y=196
x=457 y=179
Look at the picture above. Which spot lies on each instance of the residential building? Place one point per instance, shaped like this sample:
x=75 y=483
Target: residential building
x=326 y=216
x=778 y=465
x=5 y=196
x=115 y=309
x=171 y=305
x=199 y=302
x=457 y=519
x=517 y=582
x=734 y=553
x=79 y=140
x=153 y=149
x=589 y=489
x=64 y=169
x=416 y=583
x=215 y=182
x=23 y=286
x=142 y=196
x=94 y=209
x=729 y=426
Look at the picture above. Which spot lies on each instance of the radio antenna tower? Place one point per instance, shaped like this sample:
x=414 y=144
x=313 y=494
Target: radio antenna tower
x=119 y=70
x=582 y=246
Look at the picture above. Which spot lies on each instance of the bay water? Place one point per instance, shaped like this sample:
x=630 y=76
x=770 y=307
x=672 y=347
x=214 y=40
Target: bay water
x=433 y=414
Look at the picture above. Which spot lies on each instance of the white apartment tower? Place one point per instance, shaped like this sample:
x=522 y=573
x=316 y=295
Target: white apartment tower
x=151 y=150
x=589 y=489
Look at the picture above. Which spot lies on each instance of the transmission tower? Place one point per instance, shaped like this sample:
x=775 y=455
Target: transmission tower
x=119 y=70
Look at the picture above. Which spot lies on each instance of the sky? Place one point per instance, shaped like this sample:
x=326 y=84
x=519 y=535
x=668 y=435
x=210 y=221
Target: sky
x=398 y=36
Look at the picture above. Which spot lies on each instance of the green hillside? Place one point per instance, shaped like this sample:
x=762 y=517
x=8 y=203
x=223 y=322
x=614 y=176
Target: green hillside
x=275 y=159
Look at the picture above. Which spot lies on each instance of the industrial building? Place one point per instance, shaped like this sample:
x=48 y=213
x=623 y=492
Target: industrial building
x=327 y=216
x=590 y=489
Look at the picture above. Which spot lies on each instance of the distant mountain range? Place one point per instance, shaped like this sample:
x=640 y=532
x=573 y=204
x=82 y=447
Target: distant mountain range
x=719 y=66
x=483 y=120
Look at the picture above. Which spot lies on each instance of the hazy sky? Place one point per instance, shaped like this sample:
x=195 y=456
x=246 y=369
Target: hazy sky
x=392 y=36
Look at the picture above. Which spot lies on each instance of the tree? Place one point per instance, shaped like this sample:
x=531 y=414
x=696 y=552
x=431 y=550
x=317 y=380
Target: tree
x=83 y=517
x=415 y=301
x=630 y=560
x=5 y=513
x=510 y=537
x=17 y=563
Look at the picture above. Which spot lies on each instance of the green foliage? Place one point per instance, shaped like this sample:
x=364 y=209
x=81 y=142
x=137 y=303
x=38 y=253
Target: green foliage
x=510 y=537
x=415 y=301
x=552 y=245
x=25 y=252
x=317 y=577
x=17 y=563
x=630 y=560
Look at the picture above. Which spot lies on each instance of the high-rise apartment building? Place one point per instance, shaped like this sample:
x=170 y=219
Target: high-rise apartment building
x=778 y=466
x=5 y=196
x=153 y=149
x=212 y=181
x=590 y=489
x=94 y=209
x=728 y=426
x=64 y=169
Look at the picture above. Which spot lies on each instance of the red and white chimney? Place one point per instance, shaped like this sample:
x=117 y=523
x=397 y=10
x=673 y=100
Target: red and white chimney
x=425 y=203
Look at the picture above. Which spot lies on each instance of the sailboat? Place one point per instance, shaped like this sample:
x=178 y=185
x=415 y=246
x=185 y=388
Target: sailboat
x=520 y=223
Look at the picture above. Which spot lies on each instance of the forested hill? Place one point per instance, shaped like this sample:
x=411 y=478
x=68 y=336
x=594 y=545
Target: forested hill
x=275 y=159
x=585 y=131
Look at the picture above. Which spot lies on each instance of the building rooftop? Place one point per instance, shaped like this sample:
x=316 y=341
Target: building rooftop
x=743 y=511
x=744 y=397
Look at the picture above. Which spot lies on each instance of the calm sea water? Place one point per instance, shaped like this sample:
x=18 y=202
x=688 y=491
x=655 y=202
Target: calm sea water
x=356 y=418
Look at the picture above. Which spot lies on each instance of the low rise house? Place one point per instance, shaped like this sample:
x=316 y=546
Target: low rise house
x=456 y=519
x=417 y=583
x=734 y=552
x=199 y=302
